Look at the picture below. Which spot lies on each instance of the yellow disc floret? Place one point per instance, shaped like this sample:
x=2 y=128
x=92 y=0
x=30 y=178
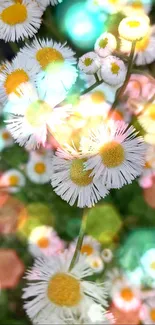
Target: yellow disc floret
x=43 y=242
x=13 y=180
x=14 y=80
x=64 y=290
x=98 y=97
x=152 y=314
x=48 y=57
x=87 y=62
x=78 y=175
x=127 y=294
x=14 y=14
x=86 y=249
x=115 y=68
x=40 y=168
x=112 y=154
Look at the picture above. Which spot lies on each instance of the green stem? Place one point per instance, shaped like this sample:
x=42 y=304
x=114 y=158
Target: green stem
x=96 y=77
x=80 y=240
x=97 y=83
x=121 y=90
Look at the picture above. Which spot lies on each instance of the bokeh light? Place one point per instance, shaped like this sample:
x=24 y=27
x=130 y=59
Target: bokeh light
x=82 y=24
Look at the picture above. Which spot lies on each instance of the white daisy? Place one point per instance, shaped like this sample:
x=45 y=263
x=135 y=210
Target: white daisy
x=107 y=255
x=125 y=296
x=38 y=170
x=113 y=70
x=134 y=28
x=117 y=155
x=72 y=183
x=6 y=139
x=89 y=63
x=105 y=44
x=147 y=314
x=55 y=63
x=148 y=263
x=12 y=180
x=19 y=20
x=90 y=246
x=144 y=51
x=44 y=3
x=15 y=74
x=138 y=6
x=60 y=293
x=147 y=118
x=96 y=263
x=31 y=114
x=44 y=240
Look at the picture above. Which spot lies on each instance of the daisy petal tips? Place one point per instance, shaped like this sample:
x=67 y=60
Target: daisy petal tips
x=117 y=155
x=72 y=183
x=19 y=20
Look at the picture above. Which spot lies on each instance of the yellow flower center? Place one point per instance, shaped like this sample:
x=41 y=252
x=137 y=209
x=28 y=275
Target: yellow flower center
x=147 y=164
x=13 y=180
x=47 y=57
x=95 y=264
x=98 y=97
x=151 y=111
x=153 y=265
x=6 y=135
x=78 y=175
x=112 y=154
x=137 y=4
x=133 y=23
x=64 y=290
x=37 y=113
x=115 y=68
x=115 y=115
x=113 y=2
x=87 y=249
x=152 y=314
x=40 y=168
x=103 y=43
x=43 y=242
x=14 y=80
x=15 y=14
x=87 y=62
x=143 y=44
x=127 y=294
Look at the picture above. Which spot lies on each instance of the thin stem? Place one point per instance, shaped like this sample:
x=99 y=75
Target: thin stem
x=91 y=87
x=80 y=240
x=96 y=77
x=121 y=90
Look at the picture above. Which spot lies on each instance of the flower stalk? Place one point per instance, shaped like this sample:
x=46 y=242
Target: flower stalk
x=80 y=240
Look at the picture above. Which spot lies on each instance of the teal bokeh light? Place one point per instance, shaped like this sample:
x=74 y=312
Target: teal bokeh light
x=83 y=25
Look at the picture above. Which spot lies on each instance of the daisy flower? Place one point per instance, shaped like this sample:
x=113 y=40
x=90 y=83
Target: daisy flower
x=38 y=169
x=44 y=3
x=117 y=155
x=113 y=70
x=147 y=118
x=133 y=28
x=44 y=240
x=105 y=44
x=125 y=297
x=19 y=20
x=147 y=314
x=14 y=75
x=107 y=255
x=73 y=183
x=60 y=293
x=89 y=63
x=55 y=63
x=138 y=6
x=146 y=179
x=31 y=114
x=5 y=139
x=96 y=263
x=148 y=262
x=111 y=6
x=13 y=180
x=144 y=52
x=89 y=247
